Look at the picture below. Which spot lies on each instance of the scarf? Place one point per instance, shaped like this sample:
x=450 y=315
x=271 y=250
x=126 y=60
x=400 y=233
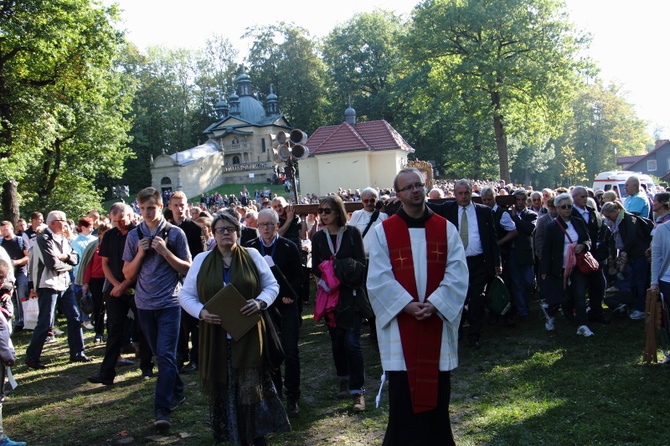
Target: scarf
x=421 y=340
x=247 y=352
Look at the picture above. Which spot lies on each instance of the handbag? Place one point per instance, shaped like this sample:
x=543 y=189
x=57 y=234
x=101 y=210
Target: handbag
x=498 y=299
x=31 y=310
x=586 y=263
x=85 y=301
x=273 y=352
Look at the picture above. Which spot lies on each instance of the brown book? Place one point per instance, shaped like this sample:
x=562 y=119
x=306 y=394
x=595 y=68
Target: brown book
x=227 y=304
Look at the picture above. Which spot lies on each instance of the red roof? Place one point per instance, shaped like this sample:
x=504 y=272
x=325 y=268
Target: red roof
x=370 y=135
x=623 y=160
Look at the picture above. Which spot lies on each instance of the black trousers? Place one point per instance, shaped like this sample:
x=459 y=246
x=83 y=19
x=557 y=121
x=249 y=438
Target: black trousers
x=117 y=316
x=405 y=428
x=476 y=298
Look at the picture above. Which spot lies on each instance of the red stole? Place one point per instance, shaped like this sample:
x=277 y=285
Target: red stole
x=421 y=340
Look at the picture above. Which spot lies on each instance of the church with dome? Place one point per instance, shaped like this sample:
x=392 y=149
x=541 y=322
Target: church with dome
x=238 y=149
x=350 y=155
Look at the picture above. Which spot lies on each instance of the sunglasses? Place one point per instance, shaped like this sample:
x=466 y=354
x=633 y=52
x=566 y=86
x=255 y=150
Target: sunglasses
x=326 y=211
x=565 y=206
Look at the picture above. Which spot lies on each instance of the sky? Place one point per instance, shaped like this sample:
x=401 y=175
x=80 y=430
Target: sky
x=629 y=38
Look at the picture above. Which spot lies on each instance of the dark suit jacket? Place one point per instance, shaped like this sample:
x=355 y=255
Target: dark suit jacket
x=600 y=234
x=287 y=258
x=486 y=227
x=554 y=242
x=247 y=235
x=523 y=243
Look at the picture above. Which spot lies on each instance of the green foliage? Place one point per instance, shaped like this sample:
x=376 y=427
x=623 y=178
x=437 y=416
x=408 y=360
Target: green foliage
x=365 y=62
x=285 y=58
x=521 y=54
x=62 y=106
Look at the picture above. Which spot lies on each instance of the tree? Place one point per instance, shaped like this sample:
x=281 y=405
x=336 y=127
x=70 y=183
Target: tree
x=62 y=106
x=364 y=61
x=604 y=125
x=284 y=58
x=523 y=54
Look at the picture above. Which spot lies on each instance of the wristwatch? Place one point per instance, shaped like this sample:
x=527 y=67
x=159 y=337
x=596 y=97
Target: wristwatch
x=262 y=303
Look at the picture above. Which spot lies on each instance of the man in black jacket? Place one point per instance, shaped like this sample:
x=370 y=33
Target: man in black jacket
x=478 y=234
x=284 y=259
x=522 y=256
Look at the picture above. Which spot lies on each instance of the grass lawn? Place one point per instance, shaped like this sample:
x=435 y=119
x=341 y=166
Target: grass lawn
x=523 y=387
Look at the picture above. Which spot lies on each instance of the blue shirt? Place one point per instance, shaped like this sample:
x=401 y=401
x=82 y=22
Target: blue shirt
x=637 y=204
x=158 y=284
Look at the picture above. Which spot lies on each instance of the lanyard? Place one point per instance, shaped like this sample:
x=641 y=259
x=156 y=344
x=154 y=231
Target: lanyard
x=338 y=241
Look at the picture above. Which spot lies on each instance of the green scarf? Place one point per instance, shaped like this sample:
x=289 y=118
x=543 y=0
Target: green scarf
x=247 y=352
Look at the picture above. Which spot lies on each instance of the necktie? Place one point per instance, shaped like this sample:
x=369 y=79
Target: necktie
x=464 y=228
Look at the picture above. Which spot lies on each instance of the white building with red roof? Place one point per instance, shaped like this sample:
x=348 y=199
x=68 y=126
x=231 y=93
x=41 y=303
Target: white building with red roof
x=352 y=155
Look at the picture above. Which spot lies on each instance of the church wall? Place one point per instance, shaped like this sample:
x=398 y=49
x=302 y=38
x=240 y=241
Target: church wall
x=348 y=170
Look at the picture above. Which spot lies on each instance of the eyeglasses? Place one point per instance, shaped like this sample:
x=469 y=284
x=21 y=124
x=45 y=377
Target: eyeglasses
x=565 y=206
x=225 y=229
x=371 y=200
x=326 y=211
x=417 y=186
x=268 y=224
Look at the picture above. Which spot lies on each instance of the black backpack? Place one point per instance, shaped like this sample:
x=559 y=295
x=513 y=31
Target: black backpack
x=644 y=226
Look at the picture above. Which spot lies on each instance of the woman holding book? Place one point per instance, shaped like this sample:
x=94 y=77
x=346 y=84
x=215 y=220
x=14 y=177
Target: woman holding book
x=232 y=373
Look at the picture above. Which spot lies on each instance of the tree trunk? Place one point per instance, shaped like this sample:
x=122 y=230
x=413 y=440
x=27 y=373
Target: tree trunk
x=10 y=202
x=501 y=144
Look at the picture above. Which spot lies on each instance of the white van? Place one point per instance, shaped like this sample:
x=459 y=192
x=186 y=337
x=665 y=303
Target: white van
x=616 y=179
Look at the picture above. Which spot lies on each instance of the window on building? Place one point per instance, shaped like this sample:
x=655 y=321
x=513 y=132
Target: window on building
x=651 y=165
x=263 y=145
x=236 y=159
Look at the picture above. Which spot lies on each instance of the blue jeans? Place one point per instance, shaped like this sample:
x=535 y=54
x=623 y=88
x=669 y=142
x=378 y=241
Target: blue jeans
x=161 y=329
x=47 y=300
x=348 y=355
x=522 y=284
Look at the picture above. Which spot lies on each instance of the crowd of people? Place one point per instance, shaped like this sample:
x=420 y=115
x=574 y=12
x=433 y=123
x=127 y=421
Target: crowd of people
x=408 y=264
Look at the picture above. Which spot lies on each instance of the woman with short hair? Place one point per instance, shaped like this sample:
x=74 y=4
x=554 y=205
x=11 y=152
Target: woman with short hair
x=565 y=238
x=244 y=405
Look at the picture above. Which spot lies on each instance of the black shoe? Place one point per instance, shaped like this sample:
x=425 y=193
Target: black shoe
x=292 y=408
x=189 y=368
x=18 y=328
x=97 y=379
x=162 y=420
x=600 y=318
x=80 y=358
x=176 y=401
x=37 y=365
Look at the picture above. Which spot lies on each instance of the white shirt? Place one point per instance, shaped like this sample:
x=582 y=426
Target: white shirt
x=505 y=220
x=188 y=295
x=360 y=219
x=474 y=247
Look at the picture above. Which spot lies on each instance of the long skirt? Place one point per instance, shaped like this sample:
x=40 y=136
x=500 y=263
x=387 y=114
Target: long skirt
x=248 y=408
